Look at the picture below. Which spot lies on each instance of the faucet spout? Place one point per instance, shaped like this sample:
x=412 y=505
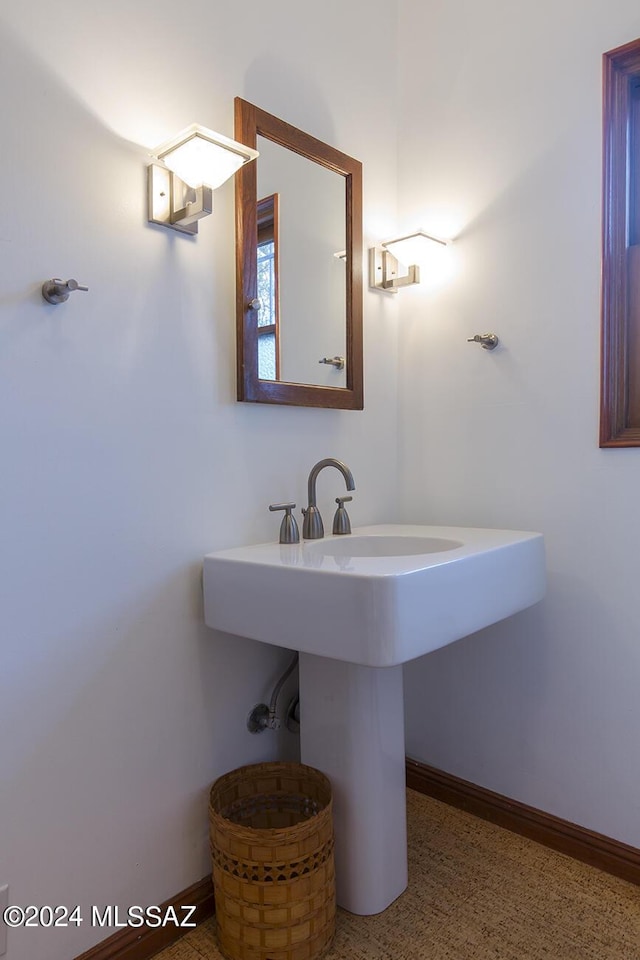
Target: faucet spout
x=313 y=528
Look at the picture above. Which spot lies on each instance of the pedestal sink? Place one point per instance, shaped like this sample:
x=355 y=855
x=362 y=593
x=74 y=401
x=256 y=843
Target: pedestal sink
x=357 y=607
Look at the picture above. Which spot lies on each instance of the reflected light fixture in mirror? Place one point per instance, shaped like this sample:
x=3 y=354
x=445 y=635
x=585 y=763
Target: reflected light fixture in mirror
x=414 y=250
x=194 y=163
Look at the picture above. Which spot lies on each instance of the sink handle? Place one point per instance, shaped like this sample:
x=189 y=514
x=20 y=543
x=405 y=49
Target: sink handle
x=289 y=532
x=341 y=522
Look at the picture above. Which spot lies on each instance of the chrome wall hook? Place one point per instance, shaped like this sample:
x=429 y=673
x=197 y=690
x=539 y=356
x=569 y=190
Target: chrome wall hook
x=489 y=341
x=57 y=291
x=337 y=362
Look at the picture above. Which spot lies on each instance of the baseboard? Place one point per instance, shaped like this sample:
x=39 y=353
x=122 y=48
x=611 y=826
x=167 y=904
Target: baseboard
x=135 y=943
x=595 y=849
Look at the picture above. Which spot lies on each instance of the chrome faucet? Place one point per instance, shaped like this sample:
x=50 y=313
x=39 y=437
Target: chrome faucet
x=312 y=528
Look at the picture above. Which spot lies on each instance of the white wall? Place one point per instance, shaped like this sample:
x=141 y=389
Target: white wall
x=125 y=457
x=500 y=143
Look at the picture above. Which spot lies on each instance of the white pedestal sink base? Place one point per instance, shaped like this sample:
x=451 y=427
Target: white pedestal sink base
x=357 y=607
x=352 y=728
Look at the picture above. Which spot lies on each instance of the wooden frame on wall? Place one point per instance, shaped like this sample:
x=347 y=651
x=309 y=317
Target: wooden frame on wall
x=620 y=345
x=251 y=122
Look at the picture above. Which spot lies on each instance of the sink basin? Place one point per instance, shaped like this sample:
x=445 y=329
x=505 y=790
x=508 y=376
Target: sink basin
x=357 y=607
x=380 y=546
x=381 y=596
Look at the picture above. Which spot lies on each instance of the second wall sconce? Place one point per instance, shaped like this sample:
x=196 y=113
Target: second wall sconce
x=194 y=163
x=384 y=260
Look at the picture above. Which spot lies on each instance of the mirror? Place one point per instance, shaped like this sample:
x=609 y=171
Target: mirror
x=298 y=268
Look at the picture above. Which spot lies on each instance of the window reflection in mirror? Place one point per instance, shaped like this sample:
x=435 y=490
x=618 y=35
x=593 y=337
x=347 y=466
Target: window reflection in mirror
x=268 y=273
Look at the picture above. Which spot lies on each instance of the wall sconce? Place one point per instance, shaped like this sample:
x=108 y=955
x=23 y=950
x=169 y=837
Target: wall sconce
x=384 y=260
x=194 y=163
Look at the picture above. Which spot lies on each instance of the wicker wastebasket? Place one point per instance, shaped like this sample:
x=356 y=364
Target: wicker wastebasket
x=271 y=833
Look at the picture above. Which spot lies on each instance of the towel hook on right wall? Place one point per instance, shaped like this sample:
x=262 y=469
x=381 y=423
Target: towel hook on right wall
x=489 y=341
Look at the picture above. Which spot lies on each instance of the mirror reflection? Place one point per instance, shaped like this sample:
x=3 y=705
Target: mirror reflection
x=301 y=269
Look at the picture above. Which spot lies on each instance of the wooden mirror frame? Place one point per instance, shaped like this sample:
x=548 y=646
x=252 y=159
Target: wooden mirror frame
x=620 y=345
x=251 y=122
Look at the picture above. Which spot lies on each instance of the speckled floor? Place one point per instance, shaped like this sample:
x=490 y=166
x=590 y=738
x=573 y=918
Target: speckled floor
x=478 y=892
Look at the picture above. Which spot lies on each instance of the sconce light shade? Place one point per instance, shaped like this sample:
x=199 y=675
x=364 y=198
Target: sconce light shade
x=200 y=156
x=413 y=250
x=195 y=162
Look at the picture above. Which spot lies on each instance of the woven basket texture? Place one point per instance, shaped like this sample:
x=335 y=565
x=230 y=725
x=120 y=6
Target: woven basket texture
x=271 y=831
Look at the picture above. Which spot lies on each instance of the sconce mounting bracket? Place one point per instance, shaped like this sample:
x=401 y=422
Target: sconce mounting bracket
x=167 y=204
x=383 y=271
